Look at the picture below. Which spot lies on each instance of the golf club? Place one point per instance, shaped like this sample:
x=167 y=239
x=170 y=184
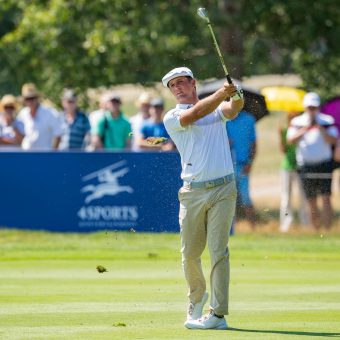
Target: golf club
x=202 y=12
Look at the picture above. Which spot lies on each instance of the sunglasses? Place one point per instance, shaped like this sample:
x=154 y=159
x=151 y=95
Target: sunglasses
x=30 y=98
x=9 y=107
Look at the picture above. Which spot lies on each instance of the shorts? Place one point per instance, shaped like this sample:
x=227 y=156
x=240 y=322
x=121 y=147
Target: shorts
x=242 y=182
x=316 y=179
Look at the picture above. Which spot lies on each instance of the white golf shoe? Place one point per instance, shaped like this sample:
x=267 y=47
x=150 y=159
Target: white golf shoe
x=208 y=321
x=195 y=309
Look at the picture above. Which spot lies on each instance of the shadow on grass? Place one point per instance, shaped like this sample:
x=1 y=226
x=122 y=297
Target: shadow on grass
x=325 y=334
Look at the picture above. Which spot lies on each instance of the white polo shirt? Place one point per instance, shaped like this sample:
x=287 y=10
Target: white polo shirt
x=312 y=147
x=203 y=145
x=40 y=130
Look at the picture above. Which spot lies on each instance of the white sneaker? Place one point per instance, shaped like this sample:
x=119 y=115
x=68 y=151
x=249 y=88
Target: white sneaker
x=195 y=309
x=208 y=321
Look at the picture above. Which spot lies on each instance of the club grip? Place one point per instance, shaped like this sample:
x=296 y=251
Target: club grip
x=229 y=79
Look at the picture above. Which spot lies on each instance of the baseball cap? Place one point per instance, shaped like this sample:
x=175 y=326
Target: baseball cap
x=176 y=72
x=159 y=102
x=29 y=90
x=311 y=99
x=113 y=96
x=69 y=95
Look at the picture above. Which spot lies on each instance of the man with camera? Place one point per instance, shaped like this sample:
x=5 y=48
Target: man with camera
x=314 y=134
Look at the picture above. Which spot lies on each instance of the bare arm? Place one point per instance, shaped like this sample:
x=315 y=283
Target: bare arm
x=12 y=141
x=207 y=105
x=232 y=108
x=16 y=139
x=96 y=142
x=143 y=144
x=299 y=133
x=18 y=136
x=128 y=144
x=6 y=141
x=328 y=138
x=56 y=142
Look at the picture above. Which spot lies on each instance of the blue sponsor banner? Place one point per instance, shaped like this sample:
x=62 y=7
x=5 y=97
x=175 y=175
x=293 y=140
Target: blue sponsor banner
x=79 y=191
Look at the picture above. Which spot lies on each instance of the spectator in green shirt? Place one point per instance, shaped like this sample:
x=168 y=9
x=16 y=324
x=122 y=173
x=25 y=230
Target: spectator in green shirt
x=112 y=132
x=288 y=177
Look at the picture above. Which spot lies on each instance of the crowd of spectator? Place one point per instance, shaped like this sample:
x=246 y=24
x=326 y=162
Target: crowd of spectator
x=37 y=127
x=308 y=142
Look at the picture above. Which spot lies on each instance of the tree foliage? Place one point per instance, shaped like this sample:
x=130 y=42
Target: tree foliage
x=304 y=34
x=82 y=44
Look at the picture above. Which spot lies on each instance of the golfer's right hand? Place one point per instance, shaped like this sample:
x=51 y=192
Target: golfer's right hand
x=229 y=89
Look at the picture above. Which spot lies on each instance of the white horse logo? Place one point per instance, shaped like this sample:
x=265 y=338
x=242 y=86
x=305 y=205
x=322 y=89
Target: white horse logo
x=108 y=185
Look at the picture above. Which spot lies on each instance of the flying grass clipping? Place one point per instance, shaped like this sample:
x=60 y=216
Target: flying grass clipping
x=101 y=269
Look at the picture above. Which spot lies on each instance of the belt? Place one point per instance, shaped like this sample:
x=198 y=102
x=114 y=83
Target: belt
x=210 y=184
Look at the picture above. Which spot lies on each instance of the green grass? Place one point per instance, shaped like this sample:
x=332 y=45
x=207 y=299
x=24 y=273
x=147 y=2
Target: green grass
x=282 y=287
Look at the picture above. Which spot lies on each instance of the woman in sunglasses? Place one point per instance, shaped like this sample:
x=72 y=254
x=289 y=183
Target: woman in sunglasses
x=11 y=129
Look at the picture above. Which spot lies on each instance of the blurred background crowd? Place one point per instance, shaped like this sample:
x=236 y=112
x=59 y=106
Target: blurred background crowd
x=309 y=142
x=27 y=124
x=69 y=48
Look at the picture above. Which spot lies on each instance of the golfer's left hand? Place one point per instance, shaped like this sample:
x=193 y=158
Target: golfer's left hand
x=239 y=93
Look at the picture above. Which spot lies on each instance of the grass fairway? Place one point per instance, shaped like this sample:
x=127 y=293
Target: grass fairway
x=283 y=287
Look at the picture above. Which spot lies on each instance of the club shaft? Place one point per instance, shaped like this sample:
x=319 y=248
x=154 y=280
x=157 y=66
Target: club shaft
x=219 y=54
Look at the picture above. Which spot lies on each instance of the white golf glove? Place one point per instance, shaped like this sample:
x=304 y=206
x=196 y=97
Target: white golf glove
x=239 y=94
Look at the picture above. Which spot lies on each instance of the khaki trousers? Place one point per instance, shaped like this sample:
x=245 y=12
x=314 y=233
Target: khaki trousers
x=206 y=216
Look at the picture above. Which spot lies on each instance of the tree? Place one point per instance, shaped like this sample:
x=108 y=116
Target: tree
x=61 y=43
x=82 y=44
x=304 y=34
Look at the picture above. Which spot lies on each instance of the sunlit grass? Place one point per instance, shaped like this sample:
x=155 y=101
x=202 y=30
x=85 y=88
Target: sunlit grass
x=282 y=286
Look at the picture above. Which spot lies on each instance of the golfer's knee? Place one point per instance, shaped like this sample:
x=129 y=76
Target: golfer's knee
x=189 y=258
x=219 y=257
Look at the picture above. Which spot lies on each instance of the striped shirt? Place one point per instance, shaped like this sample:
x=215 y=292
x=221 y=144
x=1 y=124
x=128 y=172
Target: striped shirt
x=74 y=133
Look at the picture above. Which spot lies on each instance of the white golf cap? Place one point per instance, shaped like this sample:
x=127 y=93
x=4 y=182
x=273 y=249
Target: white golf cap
x=176 y=72
x=311 y=99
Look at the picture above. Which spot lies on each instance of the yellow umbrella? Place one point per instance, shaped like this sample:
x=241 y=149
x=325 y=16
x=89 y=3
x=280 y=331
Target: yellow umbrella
x=283 y=98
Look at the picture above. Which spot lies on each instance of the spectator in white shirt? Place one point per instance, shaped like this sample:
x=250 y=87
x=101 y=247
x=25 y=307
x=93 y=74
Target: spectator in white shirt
x=42 y=125
x=139 y=119
x=314 y=134
x=97 y=115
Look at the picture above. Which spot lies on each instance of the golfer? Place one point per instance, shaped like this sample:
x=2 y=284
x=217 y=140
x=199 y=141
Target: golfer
x=208 y=195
